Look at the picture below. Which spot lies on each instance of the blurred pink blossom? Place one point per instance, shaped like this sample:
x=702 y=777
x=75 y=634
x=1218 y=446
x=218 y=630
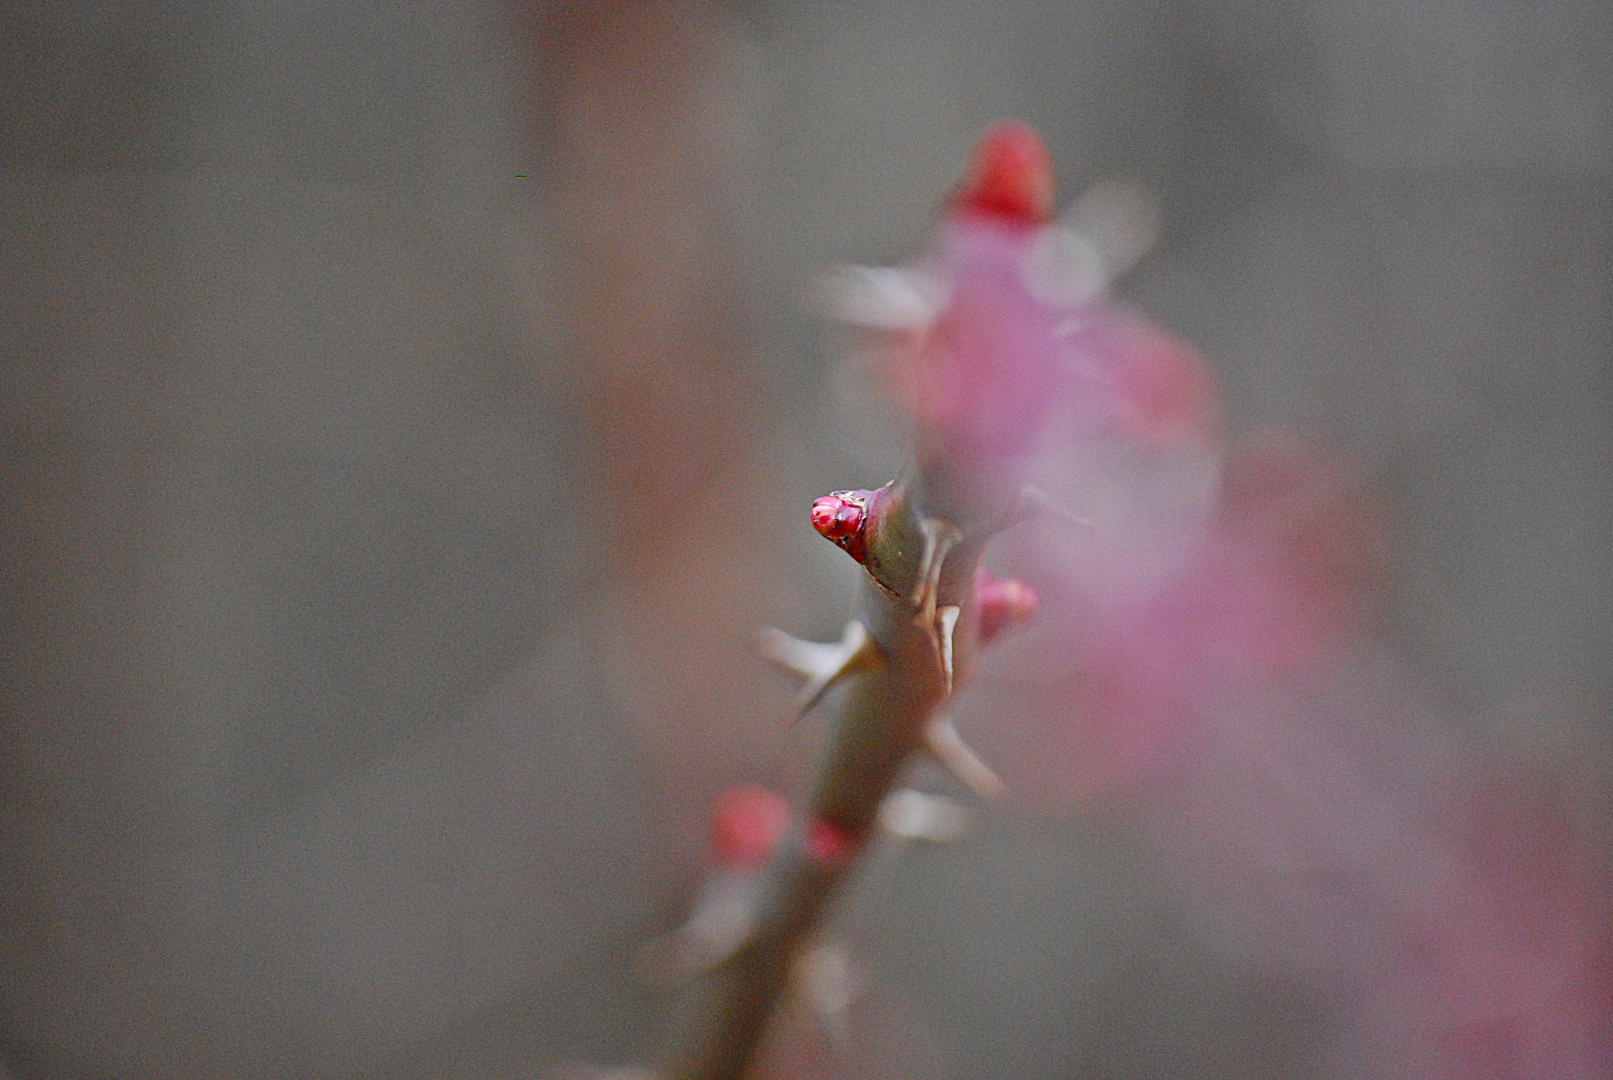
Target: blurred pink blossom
x=1205 y=651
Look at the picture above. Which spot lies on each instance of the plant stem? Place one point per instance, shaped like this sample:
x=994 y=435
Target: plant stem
x=880 y=722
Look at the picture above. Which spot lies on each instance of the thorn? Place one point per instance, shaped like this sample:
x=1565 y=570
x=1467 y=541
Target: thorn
x=1034 y=503
x=1064 y=270
x=808 y=659
x=940 y=537
x=946 y=621
x=855 y=652
x=723 y=919
x=918 y=815
x=824 y=974
x=883 y=298
x=822 y=666
x=943 y=740
x=1121 y=222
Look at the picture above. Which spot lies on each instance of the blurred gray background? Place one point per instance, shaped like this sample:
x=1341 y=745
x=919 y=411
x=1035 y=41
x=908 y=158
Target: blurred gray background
x=407 y=410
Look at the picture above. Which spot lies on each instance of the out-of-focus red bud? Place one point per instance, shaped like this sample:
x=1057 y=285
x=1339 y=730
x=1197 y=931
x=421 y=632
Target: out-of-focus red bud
x=981 y=377
x=746 y=826
x=827 y=843
x=1003 y=602
x=1010 y=178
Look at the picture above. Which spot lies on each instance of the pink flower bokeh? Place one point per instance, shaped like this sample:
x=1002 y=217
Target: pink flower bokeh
x=1207 y=658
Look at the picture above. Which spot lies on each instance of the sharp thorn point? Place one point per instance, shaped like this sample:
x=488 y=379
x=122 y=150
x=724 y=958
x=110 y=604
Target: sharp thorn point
x=919 y=815
x=854 y=652
x=940 y=537
x=946 y=621
x=1035 y=503
x=944 y=742
x=808 y=659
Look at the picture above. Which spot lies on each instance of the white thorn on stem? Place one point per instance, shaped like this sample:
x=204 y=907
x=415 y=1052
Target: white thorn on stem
x=821 y=665
x=940 y=537
x=1035 y=503
x=808 y=659
x=1120 y=220
x=943 y=741
x=723 y=918
x=918 y=815
x=946 y=621
x=824 y=975
x=882 y=297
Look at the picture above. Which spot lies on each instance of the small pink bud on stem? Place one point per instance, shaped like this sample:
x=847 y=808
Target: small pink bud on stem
x=746 y=825
x=1004 y=604
x=828 y=844
x=826 y=516
x=841 y=516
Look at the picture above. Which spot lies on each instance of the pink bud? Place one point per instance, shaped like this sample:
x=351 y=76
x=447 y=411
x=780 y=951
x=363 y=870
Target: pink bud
x=840 y=516
x=828 y=843
x=826 y=517
x=746 y=826
x=1004 y=603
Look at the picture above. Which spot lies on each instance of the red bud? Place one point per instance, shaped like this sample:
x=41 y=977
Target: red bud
x=826 y=515
x=746 y=825
x=1004 y=603
x=1010 y=177
x=840 y=516
x=827 y=843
